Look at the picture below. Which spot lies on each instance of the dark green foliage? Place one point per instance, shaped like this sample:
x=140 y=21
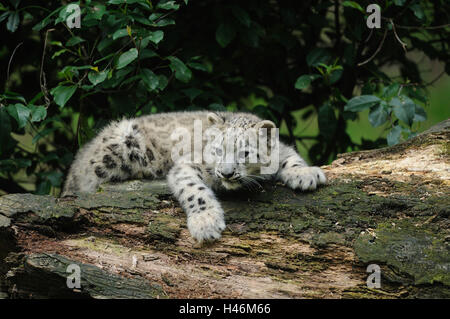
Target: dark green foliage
x=137 y=57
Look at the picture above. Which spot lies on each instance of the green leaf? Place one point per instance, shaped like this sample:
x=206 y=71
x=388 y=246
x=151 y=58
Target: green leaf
x=5 y=131
x=336 y=75
x=404 y=109
x=305 y=80
x=182 y=72
x=378 y=114
x=353 y=4
x=198 y=66
x=327 y=120
x=74 y=41
x=12 y=165
x=50 y=157
x=394 y=134
x=217 y=107
x=38 y=113
x=54 y=177
x=418 y=11
x=164 y=22
x=62 y=94
x=4 y=15
x=399 y=2
x=13 y=96
x=97 y=77
x=120 y=33
x=36 y=97
x=150 y=79
x=58 y=53
x=43 y=188
x=147 y=53
x=362 y=102
x=15 y=3
x=103 y=44
x=163 y=81
x=13 y=21
x=20 y=113
x=127 y=57
x=155 y=37
x=169 y=5
x=317 y=56
x=46 y=21
x=302 y=82
x=420 y=114
x=96 y=12
x=250 y=36
x=42 y=134
x=104 y=58
x=416 y=93
x=121 y=1
x=391 y=90
x=225 y=33
x=241 y=15
x=368 y=88
x=192 y=93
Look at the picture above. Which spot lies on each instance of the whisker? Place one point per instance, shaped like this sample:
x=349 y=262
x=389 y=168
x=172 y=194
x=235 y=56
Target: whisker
x=250 y=183
x=258 y=177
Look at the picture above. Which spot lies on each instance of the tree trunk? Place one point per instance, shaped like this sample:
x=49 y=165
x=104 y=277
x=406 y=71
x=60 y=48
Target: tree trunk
x=388 y=207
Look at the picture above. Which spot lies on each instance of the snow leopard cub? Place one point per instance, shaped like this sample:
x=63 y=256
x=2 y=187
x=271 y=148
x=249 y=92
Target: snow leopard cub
x=144 y=148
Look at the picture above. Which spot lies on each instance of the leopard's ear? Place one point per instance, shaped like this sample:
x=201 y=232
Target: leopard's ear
x=214 y=118
x=265 y=124
x=266 y=127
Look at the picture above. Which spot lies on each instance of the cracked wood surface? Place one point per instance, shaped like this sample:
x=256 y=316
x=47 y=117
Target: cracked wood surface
x=388 y=206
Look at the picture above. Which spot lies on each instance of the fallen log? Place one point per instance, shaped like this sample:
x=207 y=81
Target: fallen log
x=387 y=207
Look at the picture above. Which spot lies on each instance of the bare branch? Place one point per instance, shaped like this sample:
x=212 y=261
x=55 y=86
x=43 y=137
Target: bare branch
x=10 y=59
x=377 y=50
x=42 y=79
x=396 y=35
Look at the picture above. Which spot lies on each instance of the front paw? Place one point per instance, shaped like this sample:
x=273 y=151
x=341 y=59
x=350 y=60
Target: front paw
x=303 y=178
x=206 y=225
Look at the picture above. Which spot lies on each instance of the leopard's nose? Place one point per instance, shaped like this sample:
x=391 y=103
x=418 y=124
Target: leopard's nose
x=228 y=175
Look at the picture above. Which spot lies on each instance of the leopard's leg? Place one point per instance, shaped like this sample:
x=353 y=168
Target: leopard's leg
x=295 y=172
x=205 y=216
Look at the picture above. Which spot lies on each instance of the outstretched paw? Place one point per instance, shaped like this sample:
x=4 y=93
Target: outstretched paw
x=206 y=225
x=303 y=178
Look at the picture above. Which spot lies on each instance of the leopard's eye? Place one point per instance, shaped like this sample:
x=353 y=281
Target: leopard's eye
x=218 y=151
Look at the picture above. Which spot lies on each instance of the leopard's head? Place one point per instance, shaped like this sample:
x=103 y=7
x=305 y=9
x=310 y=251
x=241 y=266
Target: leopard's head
x=239 y=145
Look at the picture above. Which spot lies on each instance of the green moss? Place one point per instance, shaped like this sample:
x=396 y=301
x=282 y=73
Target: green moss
x=446 y=148
x=111 y=215
x=281 y=266
x=232 y=251
x=163 y=228
x=414 y=252
x=324 y=239
x=50 y=268
x=362 y=292
x=334 y=215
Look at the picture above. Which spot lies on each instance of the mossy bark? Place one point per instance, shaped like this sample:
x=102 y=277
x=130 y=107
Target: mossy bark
x=388 y=207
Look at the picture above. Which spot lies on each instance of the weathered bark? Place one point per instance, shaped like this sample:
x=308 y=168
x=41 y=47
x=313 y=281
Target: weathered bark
x=388 y=207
